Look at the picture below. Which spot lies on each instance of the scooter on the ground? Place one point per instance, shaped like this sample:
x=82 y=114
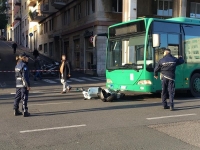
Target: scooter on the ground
x=50 y=69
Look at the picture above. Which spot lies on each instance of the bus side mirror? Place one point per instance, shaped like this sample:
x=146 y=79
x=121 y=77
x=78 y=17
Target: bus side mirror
x=156 y=40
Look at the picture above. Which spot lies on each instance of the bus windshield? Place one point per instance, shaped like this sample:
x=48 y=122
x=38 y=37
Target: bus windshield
x=128 y=52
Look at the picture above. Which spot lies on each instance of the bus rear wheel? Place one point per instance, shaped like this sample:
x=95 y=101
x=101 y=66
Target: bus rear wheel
x=195 y=85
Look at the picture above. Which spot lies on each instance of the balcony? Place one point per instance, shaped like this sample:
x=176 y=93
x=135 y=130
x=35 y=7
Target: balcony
x=32 y=3
x=18 y=2
x=47 y=9
x=36 y=16
x=18 y=18
x=58 y=3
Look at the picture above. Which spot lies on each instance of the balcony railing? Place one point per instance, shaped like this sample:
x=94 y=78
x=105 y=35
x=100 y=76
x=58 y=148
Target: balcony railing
x=17 y=18
x=59 y=3
x=32 y=2
x=36 y=16
x=18 y=2
x=46 y=8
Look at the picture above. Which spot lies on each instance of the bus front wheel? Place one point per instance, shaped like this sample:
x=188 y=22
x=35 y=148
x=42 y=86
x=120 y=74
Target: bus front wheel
x=195 y=85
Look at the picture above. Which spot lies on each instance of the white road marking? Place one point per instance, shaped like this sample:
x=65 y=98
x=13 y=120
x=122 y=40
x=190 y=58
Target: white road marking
x=49 y=104
x=12 y=93
x=88 y=79
x=173 y=116
x=67 y=80
x=77 y=80
x=99 y=78
x=55 y=128
x=49 y=81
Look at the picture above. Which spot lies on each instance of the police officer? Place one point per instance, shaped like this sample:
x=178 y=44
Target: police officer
x=22 y=87
x=167 y=67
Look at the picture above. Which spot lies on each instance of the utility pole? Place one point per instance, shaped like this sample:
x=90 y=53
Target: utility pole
x=129 y=10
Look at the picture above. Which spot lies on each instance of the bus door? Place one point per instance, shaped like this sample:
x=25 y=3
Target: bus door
x=171 y=41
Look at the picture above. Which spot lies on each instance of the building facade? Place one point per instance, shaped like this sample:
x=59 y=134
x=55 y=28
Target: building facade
x=59 y=27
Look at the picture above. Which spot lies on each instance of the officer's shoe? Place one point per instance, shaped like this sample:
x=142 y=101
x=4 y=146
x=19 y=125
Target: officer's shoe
x=172 y=108
x=166 y=107
x=26 y=114
x=17 y=112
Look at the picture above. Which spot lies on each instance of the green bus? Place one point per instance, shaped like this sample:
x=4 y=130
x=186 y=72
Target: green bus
x=134 y=48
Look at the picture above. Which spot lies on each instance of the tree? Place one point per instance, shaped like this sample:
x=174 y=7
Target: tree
x=3 y=18
x=3 y=6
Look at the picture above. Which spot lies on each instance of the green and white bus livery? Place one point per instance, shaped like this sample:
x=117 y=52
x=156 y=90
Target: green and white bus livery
x=135 y=47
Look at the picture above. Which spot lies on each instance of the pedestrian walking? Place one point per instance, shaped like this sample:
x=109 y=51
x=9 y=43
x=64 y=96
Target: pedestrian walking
x=35 y=53
x=22 y=86
x=14 y=46
x=37 y=68
x=65 y=74
x=167 y=67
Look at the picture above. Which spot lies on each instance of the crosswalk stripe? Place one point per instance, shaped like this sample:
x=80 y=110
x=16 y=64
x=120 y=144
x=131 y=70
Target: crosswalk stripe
x=88 y=79
x=99 y=78
x=59 y=80
x=49 y=81
x=77 y=80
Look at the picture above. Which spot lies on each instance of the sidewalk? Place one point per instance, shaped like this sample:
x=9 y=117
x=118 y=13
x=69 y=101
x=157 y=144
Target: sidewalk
x=30 y=53
x=48 y=60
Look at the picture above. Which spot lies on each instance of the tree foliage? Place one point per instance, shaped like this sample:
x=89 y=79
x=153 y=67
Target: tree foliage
x=3 y=21
x=3 y=6
x=3 y=18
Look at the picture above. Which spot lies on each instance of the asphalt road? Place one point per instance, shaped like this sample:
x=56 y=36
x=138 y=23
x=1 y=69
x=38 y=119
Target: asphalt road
x=67 y=122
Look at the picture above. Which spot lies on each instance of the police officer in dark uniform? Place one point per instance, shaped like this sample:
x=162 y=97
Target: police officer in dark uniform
x=22 y=87
x=167 y=67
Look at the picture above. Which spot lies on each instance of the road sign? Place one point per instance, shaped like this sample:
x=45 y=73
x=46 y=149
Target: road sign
x=91 y=39
x=30 y=34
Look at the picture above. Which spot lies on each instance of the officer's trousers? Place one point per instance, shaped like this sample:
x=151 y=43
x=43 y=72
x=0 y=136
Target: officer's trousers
x=21 y=94
x=168 y=88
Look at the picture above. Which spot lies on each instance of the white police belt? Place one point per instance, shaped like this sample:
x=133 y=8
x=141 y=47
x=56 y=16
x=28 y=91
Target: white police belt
x=19 y=78
x=20 y=86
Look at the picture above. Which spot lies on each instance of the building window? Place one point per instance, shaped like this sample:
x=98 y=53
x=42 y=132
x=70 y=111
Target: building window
x=93 y=5
x=117 y=5
x=51 y=49
x=79 y=11
x=25 y=5
x=164 y=8
x=52 y=21
x=40 y=47
x=22 y=24
x=50 y=25
x=66 y=17
x=45 y=27
x=195 y=10
x=75 y=13
x=45 y=48
x=25 y=21
x=87 y=10
x=41 y=29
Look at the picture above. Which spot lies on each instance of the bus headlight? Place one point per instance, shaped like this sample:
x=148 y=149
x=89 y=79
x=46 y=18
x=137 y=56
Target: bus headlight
x=109 y=81
x=144 y=82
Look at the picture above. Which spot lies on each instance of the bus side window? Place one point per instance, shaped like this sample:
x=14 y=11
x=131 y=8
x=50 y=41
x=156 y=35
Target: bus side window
x=173 y=44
